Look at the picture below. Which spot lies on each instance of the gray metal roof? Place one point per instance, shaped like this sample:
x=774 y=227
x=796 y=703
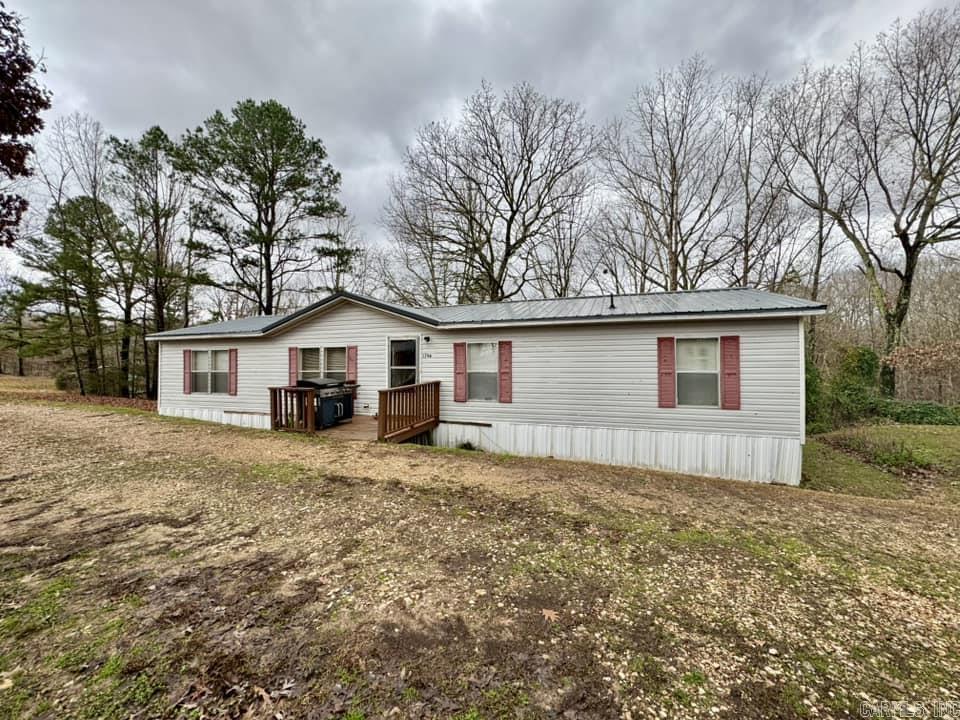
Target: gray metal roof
x=695 y=303
x=734 y=300
x=241 y=326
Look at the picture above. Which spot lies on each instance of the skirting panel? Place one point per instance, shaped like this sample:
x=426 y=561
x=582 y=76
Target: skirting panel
x=259 y=421
x=737 y=457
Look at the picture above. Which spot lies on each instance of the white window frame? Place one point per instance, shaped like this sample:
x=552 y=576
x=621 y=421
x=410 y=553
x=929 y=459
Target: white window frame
x=496 y=346
x=210 y=371
x=677 y=371
x=416 y=356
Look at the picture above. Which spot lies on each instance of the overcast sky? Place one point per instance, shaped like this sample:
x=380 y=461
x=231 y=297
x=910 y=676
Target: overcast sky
x=364 y=75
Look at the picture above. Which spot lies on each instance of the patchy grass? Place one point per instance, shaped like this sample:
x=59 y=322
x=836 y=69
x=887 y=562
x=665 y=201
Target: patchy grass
x=829 y=469
x=886 y=461
x=158 y=568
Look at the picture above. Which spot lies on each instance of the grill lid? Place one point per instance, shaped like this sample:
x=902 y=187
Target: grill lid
x=320 y=383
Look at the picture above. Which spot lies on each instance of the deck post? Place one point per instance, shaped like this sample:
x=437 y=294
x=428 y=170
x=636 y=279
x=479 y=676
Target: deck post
x=382 y=416
x=311 y=410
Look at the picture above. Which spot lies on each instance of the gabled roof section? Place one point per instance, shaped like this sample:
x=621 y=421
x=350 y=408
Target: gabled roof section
x=642 y=307
x=740 y=302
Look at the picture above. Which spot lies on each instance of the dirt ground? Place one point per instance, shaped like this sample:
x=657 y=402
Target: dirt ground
x=160 y=568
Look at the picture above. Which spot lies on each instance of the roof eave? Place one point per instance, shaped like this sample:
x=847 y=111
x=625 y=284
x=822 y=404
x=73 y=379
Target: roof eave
x=157 y=337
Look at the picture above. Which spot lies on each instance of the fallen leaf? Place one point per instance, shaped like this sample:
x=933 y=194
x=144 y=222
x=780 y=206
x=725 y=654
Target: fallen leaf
x=550 y=615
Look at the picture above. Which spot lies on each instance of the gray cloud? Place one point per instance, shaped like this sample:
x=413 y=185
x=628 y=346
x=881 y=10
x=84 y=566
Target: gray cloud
x=365 y=74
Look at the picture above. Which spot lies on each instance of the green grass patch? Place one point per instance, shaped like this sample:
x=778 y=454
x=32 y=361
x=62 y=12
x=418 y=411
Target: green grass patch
x=937 y=446
x=40 y=613
x=695 y=678
x=886 y=451
x=828 y=469
x=276 y=472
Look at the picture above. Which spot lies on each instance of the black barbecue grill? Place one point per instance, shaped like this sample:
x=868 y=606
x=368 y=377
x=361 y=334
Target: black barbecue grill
x=333 y=398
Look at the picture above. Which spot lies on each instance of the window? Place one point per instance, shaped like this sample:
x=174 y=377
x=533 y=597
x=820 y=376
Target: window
x=698 y=372
x=403 y=362
x=482 y=371
x=310 y=367
x=210 y=371
x=317 y=363
x=335 y=363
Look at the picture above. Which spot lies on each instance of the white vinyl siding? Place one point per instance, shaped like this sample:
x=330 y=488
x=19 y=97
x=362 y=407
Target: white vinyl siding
x=606 y=376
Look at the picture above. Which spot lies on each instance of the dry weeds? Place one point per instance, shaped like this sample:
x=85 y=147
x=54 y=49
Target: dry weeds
x=184 y=570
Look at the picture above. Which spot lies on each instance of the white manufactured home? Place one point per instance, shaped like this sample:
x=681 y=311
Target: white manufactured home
x=708 y=382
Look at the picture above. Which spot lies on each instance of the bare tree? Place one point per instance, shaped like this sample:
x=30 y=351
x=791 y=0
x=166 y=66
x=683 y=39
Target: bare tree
x=346 y=265
x=672 y=161
x=621 y=255
x=477 y=196
x=894 y=120
x=764 y=234
x=561 y=267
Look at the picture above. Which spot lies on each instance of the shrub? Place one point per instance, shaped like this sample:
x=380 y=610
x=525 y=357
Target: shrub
x=66 y=380
x=887 y=453
x=853 y=392
x=814 y=392
x=919 y=413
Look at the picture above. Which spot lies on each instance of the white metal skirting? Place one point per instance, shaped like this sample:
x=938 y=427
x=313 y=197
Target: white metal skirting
x=737 y=457
x=259 y=421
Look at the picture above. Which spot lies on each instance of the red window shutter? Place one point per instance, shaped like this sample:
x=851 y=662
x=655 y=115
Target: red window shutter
x=666 y=372
x=232 y=374
x=460 y=372
x=730 y=372
x=351 y=363
x=187 y=385
x=506 y=371
x=293 y=358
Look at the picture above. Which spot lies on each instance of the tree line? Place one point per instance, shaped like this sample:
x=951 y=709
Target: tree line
x=706 y=180
x=840 y=184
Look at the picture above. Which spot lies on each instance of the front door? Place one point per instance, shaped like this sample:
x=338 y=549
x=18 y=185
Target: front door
x=402 y=358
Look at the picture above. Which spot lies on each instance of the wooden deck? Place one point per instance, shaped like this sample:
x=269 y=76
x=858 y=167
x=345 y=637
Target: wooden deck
x=362 y=427
x=404 y=413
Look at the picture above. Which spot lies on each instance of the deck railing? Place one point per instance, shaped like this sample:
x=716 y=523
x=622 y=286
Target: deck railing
x=408 y=411
x=293 y=409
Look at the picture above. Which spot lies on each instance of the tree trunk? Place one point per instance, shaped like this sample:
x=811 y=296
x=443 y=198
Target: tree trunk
x=125 y=351
x=267 y=305
x=815 y=283
x=895 y=318
x=76 y=357
x=20 y=345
